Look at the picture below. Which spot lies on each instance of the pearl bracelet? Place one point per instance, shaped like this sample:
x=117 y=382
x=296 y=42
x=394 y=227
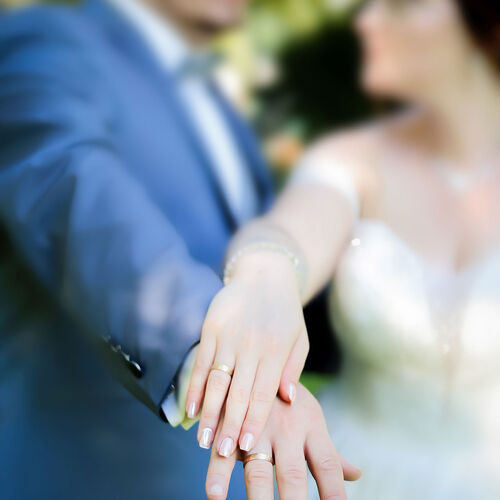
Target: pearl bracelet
x=256 y=247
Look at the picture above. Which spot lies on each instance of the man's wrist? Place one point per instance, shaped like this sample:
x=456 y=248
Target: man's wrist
x=174 y=405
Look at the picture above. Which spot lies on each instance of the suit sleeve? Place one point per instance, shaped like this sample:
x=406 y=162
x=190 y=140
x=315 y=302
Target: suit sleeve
x=83 y=224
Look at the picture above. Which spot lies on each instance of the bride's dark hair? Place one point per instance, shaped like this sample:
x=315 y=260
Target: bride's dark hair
x=482 y=18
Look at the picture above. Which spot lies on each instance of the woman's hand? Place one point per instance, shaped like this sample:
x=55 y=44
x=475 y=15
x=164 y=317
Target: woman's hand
x=255 y=326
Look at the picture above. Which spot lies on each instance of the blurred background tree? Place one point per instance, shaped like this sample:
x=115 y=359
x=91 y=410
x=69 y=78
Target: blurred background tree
x=293 y=69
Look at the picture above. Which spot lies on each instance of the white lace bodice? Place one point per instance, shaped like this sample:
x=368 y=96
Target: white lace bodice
x=421 y=373
x=429 y=330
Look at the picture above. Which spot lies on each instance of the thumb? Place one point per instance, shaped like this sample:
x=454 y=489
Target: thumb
x=351 y=472
x=293 y=368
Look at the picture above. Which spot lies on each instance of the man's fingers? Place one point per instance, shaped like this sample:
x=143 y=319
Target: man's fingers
x=293 y=368
x=219 y=475
x=351 y=472
x=291 y=471
x=215 y=394
x=325 y=465
x=263 y=394
x=259 y=474
x=236 y=408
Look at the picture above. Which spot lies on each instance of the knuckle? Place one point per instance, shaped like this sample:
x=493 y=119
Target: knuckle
x=261 y=396
x=193 y=393
x=249 y=342
x=218 y=381
x=201 y=366
x=209 y=416
x=258 y=475
x=288 y=426
x=253 y=422
x=274 y=344
x=330 y=465
x=316 y=421
x=197 y=382
x=213 y=324
x=238 y=396
x=294 y=476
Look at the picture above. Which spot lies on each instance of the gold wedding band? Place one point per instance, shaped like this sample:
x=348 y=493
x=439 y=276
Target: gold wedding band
x=223 y=368
x=258 y=456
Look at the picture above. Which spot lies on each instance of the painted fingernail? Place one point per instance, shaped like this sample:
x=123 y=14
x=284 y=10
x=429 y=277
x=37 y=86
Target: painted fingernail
x=292 y=392
x=192 y=410
x=215 y=489
x=226 y=447
x=206 y=437
x=247 y=442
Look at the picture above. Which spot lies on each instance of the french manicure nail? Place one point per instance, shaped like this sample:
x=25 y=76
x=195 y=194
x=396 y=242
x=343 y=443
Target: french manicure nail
x=206 y=436
x=292 y=392
x=247 y=442
x=192 y=410
x=215 y=489
x=226 y=447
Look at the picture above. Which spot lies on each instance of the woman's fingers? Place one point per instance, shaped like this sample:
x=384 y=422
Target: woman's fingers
x=262 y=397
x=293 y=368
x=237 y=406
x=199 y=376
x=259 y=474
x=325 y=465
x=215 y=394
x=291 y=471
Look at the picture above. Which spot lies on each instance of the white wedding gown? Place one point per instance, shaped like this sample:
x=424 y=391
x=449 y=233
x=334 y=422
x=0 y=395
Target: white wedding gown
x=417 y=403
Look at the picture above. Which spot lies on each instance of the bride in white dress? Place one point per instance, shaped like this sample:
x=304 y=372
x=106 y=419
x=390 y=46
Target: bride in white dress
x=404 y=215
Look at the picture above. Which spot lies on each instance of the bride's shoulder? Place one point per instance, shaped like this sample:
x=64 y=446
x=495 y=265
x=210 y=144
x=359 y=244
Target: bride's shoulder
x=362 y=147
x=349 y=154
x=351 y=148
x=344 y=161
x=351 y=157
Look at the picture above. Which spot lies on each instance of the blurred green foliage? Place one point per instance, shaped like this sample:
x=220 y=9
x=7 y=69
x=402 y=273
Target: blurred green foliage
x=318 y=90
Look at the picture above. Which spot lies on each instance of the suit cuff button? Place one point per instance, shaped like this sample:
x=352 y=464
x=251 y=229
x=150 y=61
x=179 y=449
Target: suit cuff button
x=135 y=368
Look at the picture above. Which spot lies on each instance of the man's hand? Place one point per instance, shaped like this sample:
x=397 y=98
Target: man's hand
x=294 y=434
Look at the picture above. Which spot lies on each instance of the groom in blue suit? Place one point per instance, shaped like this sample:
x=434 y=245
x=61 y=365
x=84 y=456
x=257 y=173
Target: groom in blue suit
x=123 y=174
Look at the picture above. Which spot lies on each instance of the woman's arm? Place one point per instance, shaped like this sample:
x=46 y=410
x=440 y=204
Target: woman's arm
x=311 y=221
x=255 y=324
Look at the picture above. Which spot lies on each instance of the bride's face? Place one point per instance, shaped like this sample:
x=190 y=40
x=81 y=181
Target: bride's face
x=410 y=47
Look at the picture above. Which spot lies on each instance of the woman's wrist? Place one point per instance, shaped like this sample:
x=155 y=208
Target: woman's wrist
x=264 y=261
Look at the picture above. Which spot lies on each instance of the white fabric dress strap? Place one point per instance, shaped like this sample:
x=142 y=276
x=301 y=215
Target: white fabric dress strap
x=317 y=169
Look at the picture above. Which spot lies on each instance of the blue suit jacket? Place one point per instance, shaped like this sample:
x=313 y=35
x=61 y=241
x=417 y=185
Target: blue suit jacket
x=110 y=201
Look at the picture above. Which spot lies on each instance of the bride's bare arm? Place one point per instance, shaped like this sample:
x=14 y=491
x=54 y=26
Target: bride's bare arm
x=313 y=222
x=313 y=217
x=255 y=324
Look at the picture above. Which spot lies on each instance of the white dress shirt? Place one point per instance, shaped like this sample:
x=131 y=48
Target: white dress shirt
x=172 y=52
